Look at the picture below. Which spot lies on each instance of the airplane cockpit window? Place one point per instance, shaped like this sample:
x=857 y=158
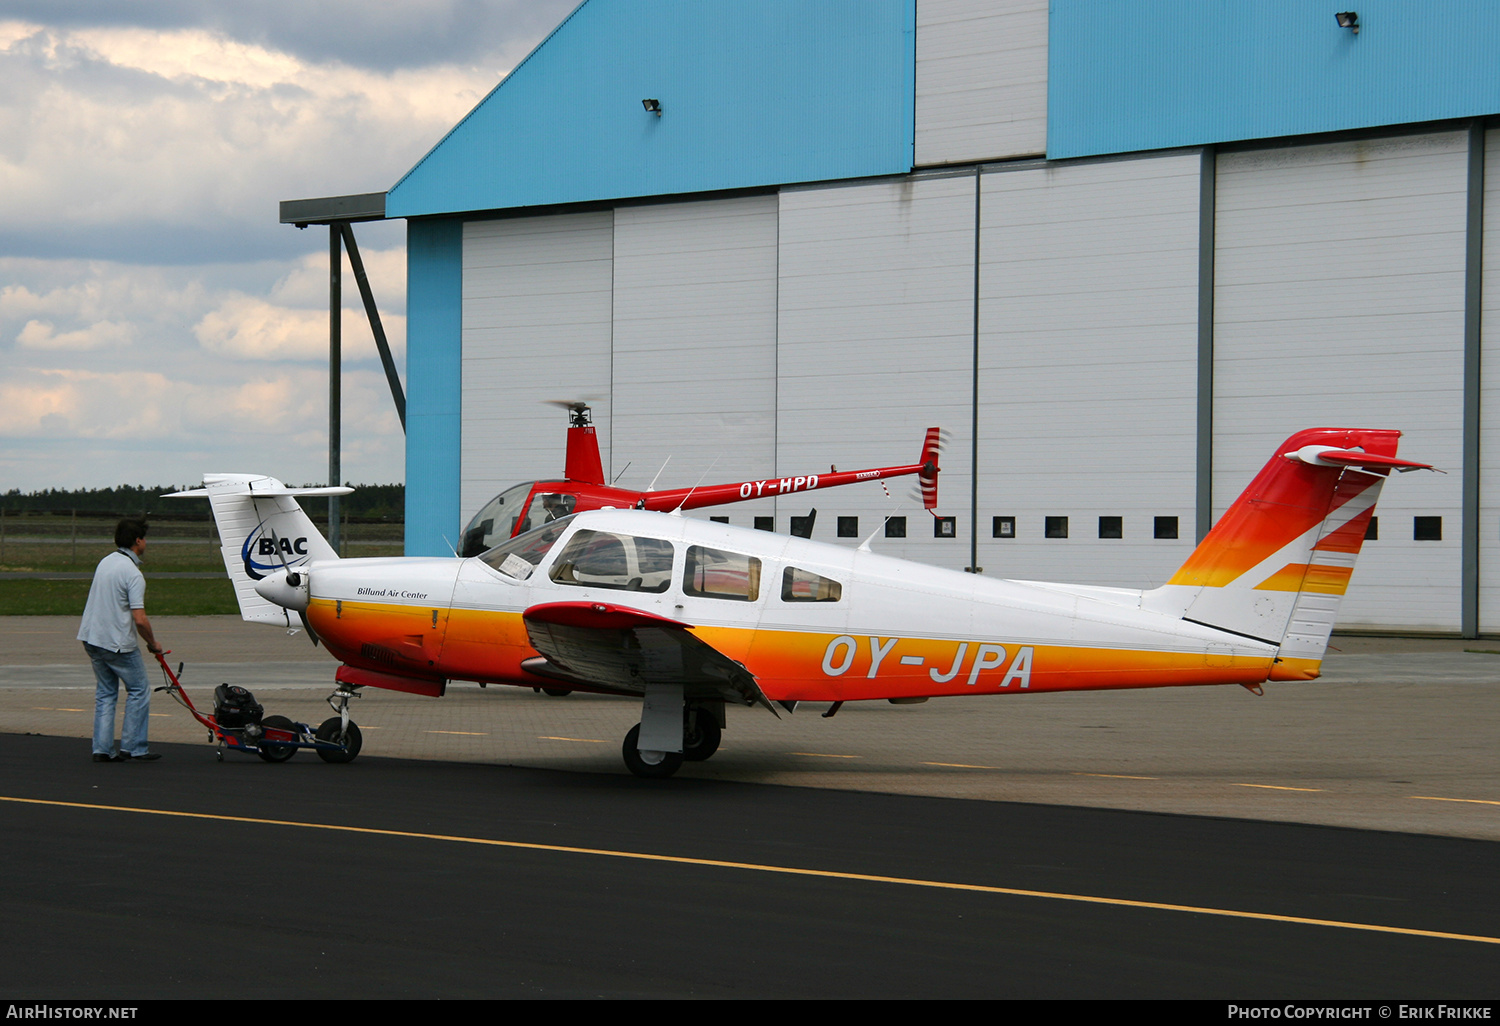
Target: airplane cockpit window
x=806 y=586
x=714 y=573
x=518 y=557
x=496 y=521
x=599 y=559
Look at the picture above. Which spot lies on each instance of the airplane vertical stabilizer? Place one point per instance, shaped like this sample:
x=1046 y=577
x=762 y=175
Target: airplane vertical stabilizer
x=262 y=529
x=1276 y=565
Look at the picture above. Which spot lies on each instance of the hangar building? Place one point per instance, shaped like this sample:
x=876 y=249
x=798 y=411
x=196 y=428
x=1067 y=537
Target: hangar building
x=1118 y=250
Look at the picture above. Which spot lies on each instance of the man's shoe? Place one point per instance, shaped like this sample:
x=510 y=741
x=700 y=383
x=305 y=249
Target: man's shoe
x=127 y=757
x=101 y=757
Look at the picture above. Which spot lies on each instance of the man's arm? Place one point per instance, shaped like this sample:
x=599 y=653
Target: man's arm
x=143 y=627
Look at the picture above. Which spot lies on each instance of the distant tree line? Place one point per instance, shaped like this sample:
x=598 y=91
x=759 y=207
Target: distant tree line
x=384 y=502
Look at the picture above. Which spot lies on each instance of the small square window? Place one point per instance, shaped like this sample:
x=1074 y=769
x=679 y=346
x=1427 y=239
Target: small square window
x=895 y=527
x=765 y=523
x=1003 y=527
x=945 y=527
x=719 y=520
x=1165 y=527
x=1372 y=529
x=1427 y=528
x=1056 y=527
x=802 y=527
x=1111 y=527
x=848 y=527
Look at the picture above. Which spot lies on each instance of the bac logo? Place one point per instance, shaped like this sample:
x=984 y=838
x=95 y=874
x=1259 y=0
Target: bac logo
x=265 y=553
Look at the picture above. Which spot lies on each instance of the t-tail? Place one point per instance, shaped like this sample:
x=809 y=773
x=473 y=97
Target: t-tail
x=1276 y=565
x=262 y=530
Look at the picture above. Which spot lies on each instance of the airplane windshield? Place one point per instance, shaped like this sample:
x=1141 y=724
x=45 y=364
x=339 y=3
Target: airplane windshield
x=519 y=557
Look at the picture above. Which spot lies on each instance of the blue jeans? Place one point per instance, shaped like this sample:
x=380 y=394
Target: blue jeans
x=111 y=669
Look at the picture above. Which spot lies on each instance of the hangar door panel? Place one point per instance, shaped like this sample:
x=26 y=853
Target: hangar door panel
x=536 y=325
x=1339 y=301
x=1088 y=364
x=694 y=368
x=875 y=345
x=981 y=80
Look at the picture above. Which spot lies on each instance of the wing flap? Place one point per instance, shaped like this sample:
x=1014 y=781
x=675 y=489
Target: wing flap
x=622 y=648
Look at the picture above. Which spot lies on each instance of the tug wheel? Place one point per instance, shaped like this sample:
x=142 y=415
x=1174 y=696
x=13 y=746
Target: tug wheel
x=670 y=762
x=275 y=752
x=332 y=730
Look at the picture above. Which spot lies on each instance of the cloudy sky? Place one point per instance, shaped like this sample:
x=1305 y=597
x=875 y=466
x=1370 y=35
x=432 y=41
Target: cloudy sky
x=156 y=322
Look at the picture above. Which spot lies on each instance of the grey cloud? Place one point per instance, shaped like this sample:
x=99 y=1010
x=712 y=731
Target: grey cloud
x=412 y=34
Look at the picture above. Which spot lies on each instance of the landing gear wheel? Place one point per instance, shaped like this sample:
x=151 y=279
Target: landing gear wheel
x=332 y=729
x=700 y=736
x=557 y=692
x=670 y=762
x=275 y=752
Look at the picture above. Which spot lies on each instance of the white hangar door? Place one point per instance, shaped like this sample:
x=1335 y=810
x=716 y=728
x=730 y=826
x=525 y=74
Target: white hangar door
x=874 y=346
x=1088 y=364
x=1339 y=301
x=694 y=360
x=536 y=326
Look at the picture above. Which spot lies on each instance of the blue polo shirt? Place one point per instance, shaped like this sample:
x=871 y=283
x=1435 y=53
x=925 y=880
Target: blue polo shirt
x=118 y=587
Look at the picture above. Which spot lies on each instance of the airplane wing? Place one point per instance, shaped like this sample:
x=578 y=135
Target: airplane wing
x=625 y=649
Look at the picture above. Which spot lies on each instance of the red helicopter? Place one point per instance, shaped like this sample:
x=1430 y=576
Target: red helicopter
x=521 y=507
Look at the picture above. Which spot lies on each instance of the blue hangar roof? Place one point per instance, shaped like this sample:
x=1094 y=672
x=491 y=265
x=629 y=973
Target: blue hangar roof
x=752 y=93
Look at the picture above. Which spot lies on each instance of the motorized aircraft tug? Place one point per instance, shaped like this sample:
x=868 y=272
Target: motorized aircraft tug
x=521 y=507
x=692 y=616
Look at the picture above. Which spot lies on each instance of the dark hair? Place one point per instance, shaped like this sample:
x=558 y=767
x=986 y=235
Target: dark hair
x=128 y=530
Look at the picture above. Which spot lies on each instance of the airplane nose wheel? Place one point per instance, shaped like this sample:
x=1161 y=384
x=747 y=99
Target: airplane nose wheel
x=655 y=765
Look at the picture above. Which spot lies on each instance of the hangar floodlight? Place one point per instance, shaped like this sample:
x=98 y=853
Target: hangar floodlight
x=652 y=106
x=1348 y=20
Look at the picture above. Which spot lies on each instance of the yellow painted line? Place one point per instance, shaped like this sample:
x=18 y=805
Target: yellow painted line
x=825 y=755
x=48 y=708
x=826 y=874
x=958 y=765
x=1471 y=801
x=1273 y=787
x=585 y=740
x=1115 y=776
x=461 y=733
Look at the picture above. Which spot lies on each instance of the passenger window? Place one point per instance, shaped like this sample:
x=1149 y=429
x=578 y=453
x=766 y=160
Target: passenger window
x=806 y=586
x=713 y=573
x=597 y=559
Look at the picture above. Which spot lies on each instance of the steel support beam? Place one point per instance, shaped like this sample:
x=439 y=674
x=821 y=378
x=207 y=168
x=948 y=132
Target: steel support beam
x=335 y=374
x=376 y=328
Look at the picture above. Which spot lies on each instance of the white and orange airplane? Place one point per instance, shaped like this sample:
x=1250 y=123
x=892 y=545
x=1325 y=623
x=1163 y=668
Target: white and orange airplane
x=692 y=616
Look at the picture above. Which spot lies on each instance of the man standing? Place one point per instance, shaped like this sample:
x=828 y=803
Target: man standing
x=115 y=612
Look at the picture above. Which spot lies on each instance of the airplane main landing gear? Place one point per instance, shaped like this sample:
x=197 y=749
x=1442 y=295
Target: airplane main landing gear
x=699 y=740
x=700 y=734
x=648 y=764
